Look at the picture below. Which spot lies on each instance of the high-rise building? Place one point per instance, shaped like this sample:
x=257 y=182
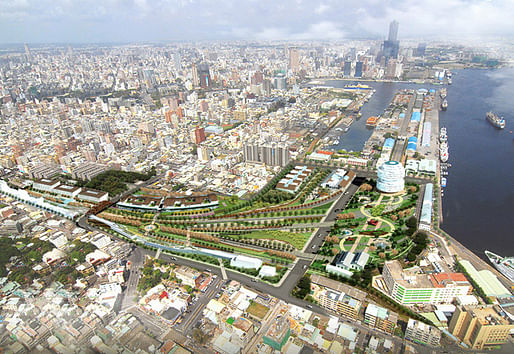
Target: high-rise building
x=420 y=51
x=393 y=31
x=278 y=333
x=391 y=176
x=294 y=59
x=27 y=52
x=201 y=75
x=198 y=135
x=279 y=81
x=339 y=302
x=420 y=332
x=480 y=327
x=394 y=69
x=358 y=69
x=347 y=68
x=269 y=154
x=177 y=59
x=391 y=46
x=381 y=318
x=411 y=286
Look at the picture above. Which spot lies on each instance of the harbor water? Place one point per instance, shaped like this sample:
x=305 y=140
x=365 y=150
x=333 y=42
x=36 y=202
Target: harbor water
x=478 y=202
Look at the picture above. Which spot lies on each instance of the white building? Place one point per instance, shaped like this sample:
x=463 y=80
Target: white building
x=246 y=262
x=411 y=286
x=45 y=185
x=58 y=239
x=420 y=332
x=391 y=176
x=67 y=191
x=92 y=195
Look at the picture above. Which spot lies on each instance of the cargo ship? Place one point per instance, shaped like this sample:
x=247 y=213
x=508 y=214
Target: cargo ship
x=505 y=265
x=372 y=121
x=444 y=104
x=495 y=120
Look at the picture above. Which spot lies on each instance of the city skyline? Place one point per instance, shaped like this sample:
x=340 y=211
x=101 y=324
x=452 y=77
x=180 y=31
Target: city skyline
x=140 y=20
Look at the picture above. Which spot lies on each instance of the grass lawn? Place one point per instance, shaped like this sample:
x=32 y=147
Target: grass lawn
x=257 y=310
x=297 y=239
x=363 y=243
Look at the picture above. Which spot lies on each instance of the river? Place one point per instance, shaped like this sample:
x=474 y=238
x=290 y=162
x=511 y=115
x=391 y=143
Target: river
x=478 y=204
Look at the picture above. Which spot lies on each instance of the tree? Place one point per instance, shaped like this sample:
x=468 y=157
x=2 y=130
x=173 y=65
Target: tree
x=335 y=251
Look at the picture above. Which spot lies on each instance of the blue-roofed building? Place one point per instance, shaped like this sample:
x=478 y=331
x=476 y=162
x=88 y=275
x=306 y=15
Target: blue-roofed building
x=415 y=117
x=412 y=143
x=388 y=144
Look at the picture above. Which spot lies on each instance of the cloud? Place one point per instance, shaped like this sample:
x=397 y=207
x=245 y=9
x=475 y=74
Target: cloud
x=322 y=8
x=133 y=20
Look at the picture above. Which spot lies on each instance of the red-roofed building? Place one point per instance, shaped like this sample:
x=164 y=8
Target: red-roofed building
x=442 y=280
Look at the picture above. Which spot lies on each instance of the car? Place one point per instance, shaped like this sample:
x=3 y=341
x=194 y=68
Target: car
x=309 y=306
x=305 y=266
x=254 y=280
x=173 y=258
x=208 y=270
x=313 y=246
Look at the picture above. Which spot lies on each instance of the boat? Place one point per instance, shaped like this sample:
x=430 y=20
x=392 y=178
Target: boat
x=357 y=87
x=443 y=137
x=346 y=129
x=443 y=152
x=443 y=93
x=449 y=81
x=496 y=121
x=443 y=182
x=371 y=121
x=505 y=265
x=444 y=104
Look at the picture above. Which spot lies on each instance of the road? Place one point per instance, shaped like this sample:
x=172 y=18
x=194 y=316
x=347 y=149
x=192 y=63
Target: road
x=399 y=147
x=194 y=311
x=136 y=259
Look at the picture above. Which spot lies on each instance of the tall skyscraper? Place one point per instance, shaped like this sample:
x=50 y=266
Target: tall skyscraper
x=358 y=69
x=393 y=31
x=347 y=69
x=391 y=46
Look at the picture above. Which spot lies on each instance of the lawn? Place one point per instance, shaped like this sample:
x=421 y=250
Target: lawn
x=297 y=239
x=257 y=310
x=363 y=243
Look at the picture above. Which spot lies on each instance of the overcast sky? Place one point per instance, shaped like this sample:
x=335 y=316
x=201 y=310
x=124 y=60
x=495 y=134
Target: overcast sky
x=79 y=21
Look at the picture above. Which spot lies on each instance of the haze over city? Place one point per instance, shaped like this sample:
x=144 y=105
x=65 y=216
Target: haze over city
x=89 y=21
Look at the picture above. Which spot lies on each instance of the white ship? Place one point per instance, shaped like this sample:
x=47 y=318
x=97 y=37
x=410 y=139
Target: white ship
x=443 y=135
x=443 y=152
x=505 y=265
